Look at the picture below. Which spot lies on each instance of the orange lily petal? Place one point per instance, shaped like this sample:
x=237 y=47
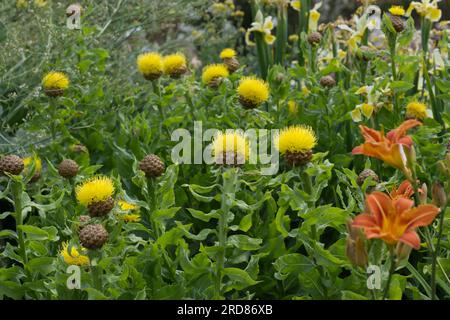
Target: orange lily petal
x=411 y=238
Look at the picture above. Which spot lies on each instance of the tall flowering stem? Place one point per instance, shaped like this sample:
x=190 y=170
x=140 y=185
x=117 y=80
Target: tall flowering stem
x=17 y=190
x=281 y=34
x=230 y=178
x=303 y=19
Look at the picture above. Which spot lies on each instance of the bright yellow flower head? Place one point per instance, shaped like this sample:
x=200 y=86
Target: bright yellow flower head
x=227 y=53
x=37 y=163
x=214 y=71
x=173 y=63
x=150 y=64
x=74 y=257
x=96 y=189
x=397 y=11
x=292 y=106
x=417 y=110
x=126 y=206
x=296 y=139
x=253 y=90
x=55 y=81
x=130 y=217
x=234 y=143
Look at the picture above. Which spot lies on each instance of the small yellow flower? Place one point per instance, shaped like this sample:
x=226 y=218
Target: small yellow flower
x=96 y=189
x=37 y=163
x=263 y=26
x=416 y=110
x=150 y=65
x=55 y=81
x=296 y=5
x=74 y=257
x=213 y=72
x=126 y=206
x=292 y=107
x=397 y=11
x=40 y=3
x=238 y=14
x=306 y=92
x=253 y=91
x=233 y=144
x=130 y=217
x=293 y=38
x=227 y=53
x=314 y=17
x=174 y=64
x=426 y=8
x=296 y=139
x=21 y=4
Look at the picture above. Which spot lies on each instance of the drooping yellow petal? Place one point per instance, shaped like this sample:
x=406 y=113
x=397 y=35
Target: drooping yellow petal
x=269 y=38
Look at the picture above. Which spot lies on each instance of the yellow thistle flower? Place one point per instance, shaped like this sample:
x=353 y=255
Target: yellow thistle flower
x=37 y=163
x=296 y=139
x=40 y=3
x=416 y=110
x=292 y=107
x=96 y=189
x=227 y=53
x=130 y=217
x=150 y=65
x=55 y=81
x=126 y=206
x=397 y=11
x=173 y=63
x=253 y=91
x=230 y=143
x=74 y=257
x=213 y=72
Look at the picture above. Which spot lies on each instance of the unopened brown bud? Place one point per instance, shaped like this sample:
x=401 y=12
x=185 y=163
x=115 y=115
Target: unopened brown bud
x=439 y=195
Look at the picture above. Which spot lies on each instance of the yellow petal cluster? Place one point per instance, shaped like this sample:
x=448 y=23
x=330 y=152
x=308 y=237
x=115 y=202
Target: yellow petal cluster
x=296 y=139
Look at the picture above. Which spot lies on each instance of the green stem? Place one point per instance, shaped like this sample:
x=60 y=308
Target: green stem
x=391 y=273
x=436 y=253
x=17 y=189
x=259 y=39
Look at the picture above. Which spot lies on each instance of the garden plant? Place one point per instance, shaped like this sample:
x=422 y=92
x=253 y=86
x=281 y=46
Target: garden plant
x=224 y=150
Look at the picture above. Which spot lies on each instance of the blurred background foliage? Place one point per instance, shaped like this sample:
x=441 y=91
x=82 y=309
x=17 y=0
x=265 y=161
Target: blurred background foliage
x=34 y=39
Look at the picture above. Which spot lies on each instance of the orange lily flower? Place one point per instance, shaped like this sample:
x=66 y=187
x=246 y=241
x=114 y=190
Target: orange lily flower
x=405 y=190
x=387 y=148
x=394 y=220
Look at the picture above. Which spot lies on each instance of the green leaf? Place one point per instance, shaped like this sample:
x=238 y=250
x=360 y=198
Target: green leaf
x=8 y=234
x=244 y=242
x=33 y=232
x=214 y=214
x=11 y=289
x=240 y=279
x=291 y=264
x=164 y=214
x=349 y=295
x=43 y=265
